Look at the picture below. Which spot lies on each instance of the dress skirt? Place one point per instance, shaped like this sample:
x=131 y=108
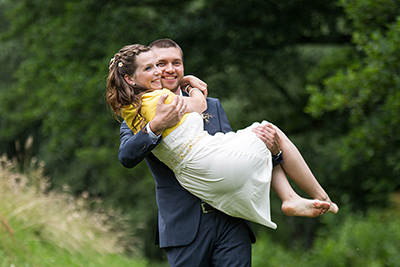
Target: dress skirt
x=231 y=172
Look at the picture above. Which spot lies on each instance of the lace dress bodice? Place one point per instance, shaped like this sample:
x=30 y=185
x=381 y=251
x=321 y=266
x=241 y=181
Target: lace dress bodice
x=175 y=149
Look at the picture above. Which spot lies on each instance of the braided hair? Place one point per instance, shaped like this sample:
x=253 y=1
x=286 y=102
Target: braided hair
x=119 y=92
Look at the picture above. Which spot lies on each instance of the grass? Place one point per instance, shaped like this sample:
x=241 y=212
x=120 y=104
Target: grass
x=39 y=227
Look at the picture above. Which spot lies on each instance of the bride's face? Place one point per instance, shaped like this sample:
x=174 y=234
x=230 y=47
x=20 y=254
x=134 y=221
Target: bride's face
x=147 y=74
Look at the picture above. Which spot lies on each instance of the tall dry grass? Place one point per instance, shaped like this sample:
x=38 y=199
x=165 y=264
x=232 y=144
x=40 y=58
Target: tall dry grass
x=76 y=224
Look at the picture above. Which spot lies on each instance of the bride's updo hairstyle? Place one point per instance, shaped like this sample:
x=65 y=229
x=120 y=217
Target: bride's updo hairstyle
x=119 y=92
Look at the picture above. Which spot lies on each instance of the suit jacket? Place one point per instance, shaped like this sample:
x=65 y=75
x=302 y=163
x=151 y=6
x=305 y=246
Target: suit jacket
x=178 y=210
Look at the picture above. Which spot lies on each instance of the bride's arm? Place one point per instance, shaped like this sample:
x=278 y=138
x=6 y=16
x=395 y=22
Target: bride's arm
x=196 y=102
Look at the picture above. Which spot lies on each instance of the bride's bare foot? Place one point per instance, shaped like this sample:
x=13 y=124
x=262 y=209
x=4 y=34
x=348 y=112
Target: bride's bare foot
x=305 y=207
x=334 y=208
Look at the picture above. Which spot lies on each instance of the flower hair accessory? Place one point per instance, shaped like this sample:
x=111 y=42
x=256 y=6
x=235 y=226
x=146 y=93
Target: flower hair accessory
x=111 y=62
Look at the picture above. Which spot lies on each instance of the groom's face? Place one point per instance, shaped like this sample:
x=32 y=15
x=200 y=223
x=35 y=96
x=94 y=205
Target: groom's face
x=170 y=62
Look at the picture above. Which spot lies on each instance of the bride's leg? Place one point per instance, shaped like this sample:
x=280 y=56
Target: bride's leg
x=292 y=203
x=297 y=169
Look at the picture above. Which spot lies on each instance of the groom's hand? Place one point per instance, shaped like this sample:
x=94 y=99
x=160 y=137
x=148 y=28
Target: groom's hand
x=167 y=115
x=194 y=82
x=269 y=136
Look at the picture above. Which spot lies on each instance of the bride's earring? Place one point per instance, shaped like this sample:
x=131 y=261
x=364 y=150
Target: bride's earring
x=129 y=80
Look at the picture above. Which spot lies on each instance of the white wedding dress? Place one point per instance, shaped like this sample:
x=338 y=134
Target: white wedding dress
x=231 y=172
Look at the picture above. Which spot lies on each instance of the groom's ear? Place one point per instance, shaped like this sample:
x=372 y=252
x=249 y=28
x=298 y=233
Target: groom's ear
x=129 y=80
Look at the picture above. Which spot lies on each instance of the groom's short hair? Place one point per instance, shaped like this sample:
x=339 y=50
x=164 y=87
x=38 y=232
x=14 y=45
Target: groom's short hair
x=165 y=43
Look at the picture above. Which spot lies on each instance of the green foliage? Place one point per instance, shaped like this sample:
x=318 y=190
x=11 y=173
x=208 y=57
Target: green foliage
x=362 y=241
x=359 y=240
x=252 y=53
x=365 y=94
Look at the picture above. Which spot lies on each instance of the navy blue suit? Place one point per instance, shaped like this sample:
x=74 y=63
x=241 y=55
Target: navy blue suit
x=179 y=215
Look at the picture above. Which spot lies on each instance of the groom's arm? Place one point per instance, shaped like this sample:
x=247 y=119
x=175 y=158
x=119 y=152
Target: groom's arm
x=135 y=147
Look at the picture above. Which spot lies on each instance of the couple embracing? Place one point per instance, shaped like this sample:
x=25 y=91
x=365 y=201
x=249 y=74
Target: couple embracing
x=210 y=181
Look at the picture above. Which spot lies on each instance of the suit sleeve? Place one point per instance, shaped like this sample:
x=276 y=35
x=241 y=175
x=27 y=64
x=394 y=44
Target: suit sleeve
x=134 y=147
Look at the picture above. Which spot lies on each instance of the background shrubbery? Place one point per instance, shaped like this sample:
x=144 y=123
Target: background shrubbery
x=358 y=240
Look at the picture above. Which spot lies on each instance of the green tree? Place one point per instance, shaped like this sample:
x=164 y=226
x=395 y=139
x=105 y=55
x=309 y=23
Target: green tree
x=363 y=92
x=250 y=51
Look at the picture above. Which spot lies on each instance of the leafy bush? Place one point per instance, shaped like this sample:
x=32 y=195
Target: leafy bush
x=371 y=240
x=360 y=240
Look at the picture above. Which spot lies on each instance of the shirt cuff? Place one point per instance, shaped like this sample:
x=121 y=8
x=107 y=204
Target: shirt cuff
x=153 y=136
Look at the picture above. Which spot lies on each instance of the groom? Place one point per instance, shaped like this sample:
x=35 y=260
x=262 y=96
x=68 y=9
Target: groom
x=190 y=231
